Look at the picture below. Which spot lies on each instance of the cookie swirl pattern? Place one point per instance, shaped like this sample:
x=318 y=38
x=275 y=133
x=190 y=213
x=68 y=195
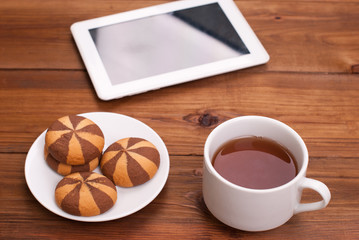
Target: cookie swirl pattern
x=85 y=194
x=130 y=162
x=66 y=169
x=74 y=140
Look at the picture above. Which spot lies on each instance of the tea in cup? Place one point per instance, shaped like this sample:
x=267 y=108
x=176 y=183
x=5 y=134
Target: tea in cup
x=254 y=172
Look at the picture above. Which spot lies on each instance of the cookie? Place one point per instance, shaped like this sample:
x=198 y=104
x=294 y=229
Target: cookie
x=130 y=162
x=74 y=140
x=65 y=169
x=85 y=194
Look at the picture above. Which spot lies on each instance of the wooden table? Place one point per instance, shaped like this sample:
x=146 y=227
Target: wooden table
x=311 y=83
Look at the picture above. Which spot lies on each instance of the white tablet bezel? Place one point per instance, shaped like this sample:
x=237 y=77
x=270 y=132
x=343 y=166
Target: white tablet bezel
x=96 y=70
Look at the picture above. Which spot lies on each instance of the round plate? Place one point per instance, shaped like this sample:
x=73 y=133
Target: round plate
x=42 y=180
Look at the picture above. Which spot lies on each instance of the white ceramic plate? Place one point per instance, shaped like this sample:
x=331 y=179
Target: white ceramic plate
x=42 y=180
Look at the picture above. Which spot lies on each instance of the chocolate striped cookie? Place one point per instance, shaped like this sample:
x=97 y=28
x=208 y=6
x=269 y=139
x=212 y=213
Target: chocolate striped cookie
x=130 y=162
x=74 y=140
x=85 y=194
x=65 y=169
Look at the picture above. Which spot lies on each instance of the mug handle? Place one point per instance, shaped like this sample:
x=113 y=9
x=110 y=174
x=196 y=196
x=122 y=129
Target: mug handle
x=320 y=188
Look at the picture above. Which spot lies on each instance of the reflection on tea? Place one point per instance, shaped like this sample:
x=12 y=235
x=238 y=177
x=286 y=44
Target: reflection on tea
x=255 y=162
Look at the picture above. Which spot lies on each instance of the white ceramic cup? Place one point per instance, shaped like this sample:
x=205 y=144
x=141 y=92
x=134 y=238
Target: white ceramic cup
x=258 y=209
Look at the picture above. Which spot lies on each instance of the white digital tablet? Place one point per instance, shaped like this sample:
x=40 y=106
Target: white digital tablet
x=154 y=47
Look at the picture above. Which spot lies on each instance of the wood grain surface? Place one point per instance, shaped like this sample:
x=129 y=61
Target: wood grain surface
x=310 y=83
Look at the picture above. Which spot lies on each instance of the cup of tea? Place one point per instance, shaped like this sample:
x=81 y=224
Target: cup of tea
x=254 y=172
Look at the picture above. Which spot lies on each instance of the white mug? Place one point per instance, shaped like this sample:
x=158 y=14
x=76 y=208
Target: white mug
x=258 y=209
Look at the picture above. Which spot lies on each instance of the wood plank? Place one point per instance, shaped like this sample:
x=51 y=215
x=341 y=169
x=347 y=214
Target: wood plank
x=320 y=37
x=316 y=37
x=44 y=79
x=326 y=169
x=323 y=109
x=182 y=198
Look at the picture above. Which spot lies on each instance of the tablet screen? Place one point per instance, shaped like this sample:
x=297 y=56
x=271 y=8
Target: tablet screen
x=165 y=43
